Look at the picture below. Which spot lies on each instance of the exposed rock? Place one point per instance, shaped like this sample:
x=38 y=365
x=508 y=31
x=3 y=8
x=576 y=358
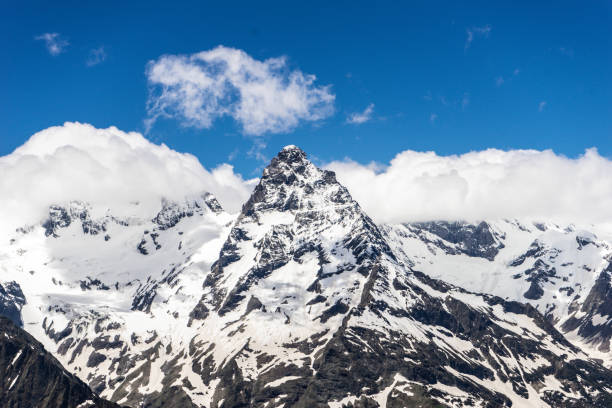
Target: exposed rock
x=460 y=237
x=12 y=300
x=31 y=377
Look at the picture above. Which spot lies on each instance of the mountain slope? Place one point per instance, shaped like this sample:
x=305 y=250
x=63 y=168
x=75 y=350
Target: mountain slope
x=553 y=268
x=110 y=297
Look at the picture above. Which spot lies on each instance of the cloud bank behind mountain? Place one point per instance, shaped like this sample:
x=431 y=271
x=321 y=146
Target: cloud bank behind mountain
x=129 y=175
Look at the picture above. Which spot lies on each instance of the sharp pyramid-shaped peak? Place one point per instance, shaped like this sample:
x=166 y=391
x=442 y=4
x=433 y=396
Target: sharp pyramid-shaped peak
x=297 y=213
x=291 y=164
x=291 y=182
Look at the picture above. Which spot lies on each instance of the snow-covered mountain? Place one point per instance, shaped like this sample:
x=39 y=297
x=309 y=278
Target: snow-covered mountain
x=563 y=271
x=302 y=300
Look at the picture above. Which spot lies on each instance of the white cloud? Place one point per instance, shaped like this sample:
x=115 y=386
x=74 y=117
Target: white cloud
x=489 y=184
x=96 y=56
x=262 y=96
x=499 y=81
x=541 y=106
x=433 y=117
x=358 y=118
x=107 y=168
x=54 y=42
x=472 y=32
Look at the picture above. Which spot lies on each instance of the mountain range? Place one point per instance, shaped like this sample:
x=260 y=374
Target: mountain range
x=302 y=300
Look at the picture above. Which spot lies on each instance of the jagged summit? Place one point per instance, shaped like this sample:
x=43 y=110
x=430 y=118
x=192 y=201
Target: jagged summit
x=291 y=147
x=292 y=182
x=291 y=159
x=291 y=155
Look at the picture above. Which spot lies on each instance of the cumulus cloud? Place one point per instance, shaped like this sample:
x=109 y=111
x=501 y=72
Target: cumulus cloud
x=262 y=96
x=358 y=118
x=473 y=32
x=108 y=168
x=54 y=42
x=489 y=184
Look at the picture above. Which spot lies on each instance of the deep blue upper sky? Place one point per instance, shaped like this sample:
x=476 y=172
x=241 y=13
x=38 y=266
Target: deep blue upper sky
x=431 y=88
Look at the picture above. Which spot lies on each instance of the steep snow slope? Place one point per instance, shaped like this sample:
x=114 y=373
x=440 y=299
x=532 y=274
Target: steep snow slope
x=552 y=267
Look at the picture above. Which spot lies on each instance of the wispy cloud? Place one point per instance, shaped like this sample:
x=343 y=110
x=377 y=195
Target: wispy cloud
x=96 y=56
x=454 y=102
x=358 y=118
x=542 y=106
x=256 y=151
x=465 y=101
x=567 y=51
x=474 y=32
x=500 y=80
x=263 y=96
x=433 y=117
x=54 y=42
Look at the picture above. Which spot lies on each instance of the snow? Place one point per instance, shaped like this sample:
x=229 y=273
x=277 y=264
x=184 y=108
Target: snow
x=13 y=382
x=16 y=357
x=599 y=320
x=283 y=380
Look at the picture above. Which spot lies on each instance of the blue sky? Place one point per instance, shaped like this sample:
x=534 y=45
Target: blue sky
x=439 y=76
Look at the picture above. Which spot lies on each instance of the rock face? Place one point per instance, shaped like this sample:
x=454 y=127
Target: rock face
x=31 y=377
x=460 y=238
x=12 y=300
x=593 y=320
x=301 y=300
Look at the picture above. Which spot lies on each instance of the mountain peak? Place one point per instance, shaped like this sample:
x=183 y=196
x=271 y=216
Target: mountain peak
x=291 y=155
x=291 y=147
x=291 y=182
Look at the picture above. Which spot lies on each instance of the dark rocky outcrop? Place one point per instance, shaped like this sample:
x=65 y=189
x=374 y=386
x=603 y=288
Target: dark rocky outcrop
x=31 y=377
x=595 y=319
x=461 y=238
x=12 y=300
